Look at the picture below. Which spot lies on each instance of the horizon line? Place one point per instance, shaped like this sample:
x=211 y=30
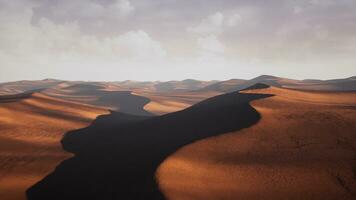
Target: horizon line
x=178 y=80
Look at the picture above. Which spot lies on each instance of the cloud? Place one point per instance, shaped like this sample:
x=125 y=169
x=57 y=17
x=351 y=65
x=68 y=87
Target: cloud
x=124 y=7
x=83 y=12
x=216 y=24
x=210 y=49
x=210 y=25
x=140 y=45
x=47 y=47
x=211 y=44
x=51 y=36
x=233 y=20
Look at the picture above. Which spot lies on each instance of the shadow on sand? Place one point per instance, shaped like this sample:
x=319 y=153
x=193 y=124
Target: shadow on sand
x=124 y=101
x=116 y=157
x=17 y=97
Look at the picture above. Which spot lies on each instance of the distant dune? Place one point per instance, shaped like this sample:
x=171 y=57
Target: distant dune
x=26 y=86
x=100 y=95
x=188 y=85
x=118 y=99
x=167 y=102
x=347 y=84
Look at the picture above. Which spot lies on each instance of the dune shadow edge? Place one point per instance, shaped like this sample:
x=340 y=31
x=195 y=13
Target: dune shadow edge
x=117 y=156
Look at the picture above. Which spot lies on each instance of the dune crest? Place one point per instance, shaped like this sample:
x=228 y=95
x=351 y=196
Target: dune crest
x=32 y=125
x=302 y=148
x=117 y=156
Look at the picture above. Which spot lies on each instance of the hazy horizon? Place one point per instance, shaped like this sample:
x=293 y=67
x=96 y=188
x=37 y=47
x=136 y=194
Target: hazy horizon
x=207 y=80
x=116 y=40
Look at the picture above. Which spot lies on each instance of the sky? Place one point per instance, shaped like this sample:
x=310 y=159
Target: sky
x=113 y=40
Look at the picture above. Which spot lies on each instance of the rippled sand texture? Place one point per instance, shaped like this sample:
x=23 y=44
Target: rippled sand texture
x=304 y=147
x=30 y=132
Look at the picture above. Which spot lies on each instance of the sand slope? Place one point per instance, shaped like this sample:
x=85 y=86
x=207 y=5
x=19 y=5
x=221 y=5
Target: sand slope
x=346 y=84
x=31 y=127
x=131 y=102
x=304 y=147
x=117 y=156
x=25 y=86
x=168 y=102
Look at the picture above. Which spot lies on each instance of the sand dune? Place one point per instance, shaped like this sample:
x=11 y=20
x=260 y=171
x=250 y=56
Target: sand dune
x=163 y=103
x=168 y=86
x=102 y=95
x=26 y=86
x=188 y=85
x=346 y=84
x=117 y=156
x=185 y=85
x=303 y=147
x=32 y=124
x=131 y=102
x=31 y=127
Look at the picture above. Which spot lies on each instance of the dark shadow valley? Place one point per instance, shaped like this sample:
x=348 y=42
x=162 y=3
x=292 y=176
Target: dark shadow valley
x=116 y=157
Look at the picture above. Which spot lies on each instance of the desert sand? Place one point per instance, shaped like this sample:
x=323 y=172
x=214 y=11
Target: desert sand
x=346 y=84
x=304 y=147
x=31 y=127
x=33 y=124
x=140 y=101
x=116 y=157
x=168 y=102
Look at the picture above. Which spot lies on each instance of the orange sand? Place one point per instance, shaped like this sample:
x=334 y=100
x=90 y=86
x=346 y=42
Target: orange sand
x=304 y=147
x=163 y=103
x=30 y=134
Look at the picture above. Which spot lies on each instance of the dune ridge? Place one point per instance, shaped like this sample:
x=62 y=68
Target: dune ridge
x=32 y=125
x=188 y=85
x=302 y=148
x=117 y=156
x=303 y=138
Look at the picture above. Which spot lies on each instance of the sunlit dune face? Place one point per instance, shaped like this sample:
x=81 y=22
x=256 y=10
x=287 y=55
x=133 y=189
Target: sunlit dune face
x=158 y=102
x=30 y=134
x=163 y=107
x=302 y=148
x=163 y=103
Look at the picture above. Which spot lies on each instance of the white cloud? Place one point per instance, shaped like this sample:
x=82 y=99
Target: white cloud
x=210 y=25
x=321 y=33
x=211 y=50
x=215 y=24
x=39 y=37
x=211 y=44
x=139 y=44
x=123 y=7
x=233 y=20
x=297 y=10
x=84 y=11
x=53 y=48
